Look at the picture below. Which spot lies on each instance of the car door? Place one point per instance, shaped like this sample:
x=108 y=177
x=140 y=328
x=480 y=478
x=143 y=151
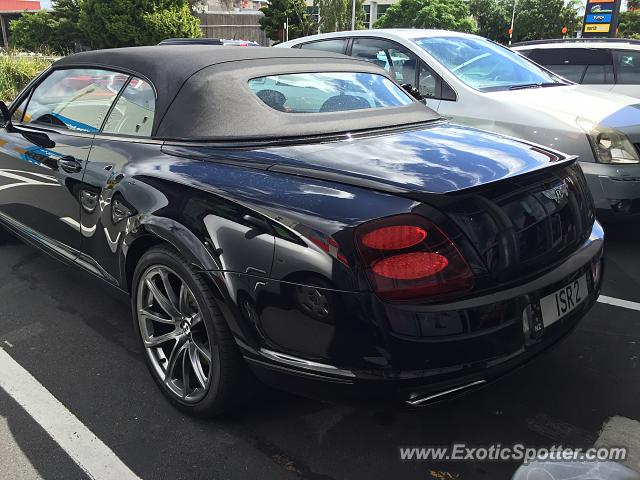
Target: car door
x=402 y=64
x=43 y=154
x=105 y=197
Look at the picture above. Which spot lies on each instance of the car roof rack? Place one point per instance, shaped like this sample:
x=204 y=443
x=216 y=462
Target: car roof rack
x=577 y=40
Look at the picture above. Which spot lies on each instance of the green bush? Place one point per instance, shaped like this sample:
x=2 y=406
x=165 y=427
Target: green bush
x=73 y=24
x=16 y=72
x=128 y=23
x=47 y=31
x=41 y=32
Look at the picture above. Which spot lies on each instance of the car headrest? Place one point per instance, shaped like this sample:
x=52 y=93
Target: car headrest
x=340 y=103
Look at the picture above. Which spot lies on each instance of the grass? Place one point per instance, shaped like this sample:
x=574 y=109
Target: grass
x=16 y=71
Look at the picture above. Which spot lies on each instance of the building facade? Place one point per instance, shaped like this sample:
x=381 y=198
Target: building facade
x=374 y=10
x=220 y=6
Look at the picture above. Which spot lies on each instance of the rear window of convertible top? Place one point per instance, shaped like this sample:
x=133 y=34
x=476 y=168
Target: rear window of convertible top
x=328 y=92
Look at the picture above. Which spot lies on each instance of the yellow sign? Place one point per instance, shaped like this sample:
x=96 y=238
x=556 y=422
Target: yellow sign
x=597 y=28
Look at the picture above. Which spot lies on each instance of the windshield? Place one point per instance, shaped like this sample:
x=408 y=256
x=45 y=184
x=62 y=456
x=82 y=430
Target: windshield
x=328 y=92
x=485 y=66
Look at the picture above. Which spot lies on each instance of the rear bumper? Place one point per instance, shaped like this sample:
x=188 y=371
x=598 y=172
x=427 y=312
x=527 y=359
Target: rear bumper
x=412 y=388
x=428 y=351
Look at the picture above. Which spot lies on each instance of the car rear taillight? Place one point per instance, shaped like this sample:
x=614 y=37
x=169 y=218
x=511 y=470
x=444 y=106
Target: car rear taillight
x=407 y=257
x=394 y=238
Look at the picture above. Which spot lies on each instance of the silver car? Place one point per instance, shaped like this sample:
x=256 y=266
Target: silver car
x=606 y=64
x=473 y=81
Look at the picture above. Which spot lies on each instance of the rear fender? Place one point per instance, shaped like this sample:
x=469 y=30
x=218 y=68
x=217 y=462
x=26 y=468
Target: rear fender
x=227 y=287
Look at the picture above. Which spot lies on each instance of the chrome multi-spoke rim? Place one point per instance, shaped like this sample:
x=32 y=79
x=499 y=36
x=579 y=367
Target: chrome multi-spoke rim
x=174 y=334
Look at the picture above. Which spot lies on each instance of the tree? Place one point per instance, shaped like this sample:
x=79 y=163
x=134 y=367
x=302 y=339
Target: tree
x=67 y=13
x=540 y=19
x=55 y=31
x=279 y=12
x=571 y=17
x=535 y=19
x=444 y=14
x=69 y=9
x=335 y=15
x=629 y=24
x=123 y=23
x=633 y=5
x=493 y=18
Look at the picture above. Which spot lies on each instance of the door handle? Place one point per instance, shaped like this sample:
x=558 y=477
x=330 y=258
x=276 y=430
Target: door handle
x=70 y=164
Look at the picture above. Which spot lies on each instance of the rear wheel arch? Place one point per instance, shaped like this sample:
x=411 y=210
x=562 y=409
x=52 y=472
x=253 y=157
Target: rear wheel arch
x=169 y=232
x=135 y=252
x=149 y=241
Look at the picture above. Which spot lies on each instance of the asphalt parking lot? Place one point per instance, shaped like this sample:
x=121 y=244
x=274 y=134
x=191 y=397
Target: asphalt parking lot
x=74 y=336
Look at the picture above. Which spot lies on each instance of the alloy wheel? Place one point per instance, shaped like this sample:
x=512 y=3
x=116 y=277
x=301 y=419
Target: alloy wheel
x=174 y=334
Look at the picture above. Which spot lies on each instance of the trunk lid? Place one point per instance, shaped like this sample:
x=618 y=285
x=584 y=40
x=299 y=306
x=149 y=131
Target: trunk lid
x=441 y=158
x=527 y=225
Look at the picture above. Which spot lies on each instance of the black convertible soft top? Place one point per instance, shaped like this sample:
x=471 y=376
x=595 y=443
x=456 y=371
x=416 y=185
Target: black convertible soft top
x=203 y=94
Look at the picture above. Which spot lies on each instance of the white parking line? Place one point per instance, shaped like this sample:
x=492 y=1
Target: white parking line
x=24 y=181
x=619 y=303
x=87 y=450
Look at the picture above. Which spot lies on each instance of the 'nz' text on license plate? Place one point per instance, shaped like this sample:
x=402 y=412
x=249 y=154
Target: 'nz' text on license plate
x=562 y=302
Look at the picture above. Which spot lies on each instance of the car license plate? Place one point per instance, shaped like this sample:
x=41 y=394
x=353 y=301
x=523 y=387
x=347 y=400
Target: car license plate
x=565 y=300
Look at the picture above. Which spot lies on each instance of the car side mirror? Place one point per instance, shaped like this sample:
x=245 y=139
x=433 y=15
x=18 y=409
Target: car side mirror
x=6 y=116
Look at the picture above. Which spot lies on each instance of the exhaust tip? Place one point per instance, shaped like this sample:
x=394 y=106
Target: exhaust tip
x=417 y=399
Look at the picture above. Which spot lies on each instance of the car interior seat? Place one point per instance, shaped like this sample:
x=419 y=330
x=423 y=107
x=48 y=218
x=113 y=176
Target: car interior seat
x=273 y=98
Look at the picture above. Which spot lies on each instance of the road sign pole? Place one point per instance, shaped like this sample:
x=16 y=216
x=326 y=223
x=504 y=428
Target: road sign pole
x=513 y=21
x=5 y=40
x=353 y=15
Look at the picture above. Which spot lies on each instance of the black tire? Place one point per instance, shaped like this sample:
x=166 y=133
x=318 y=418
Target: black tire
x=230 y=382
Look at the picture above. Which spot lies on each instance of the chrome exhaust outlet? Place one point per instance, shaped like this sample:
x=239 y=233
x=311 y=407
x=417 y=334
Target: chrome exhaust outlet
x=416 y=399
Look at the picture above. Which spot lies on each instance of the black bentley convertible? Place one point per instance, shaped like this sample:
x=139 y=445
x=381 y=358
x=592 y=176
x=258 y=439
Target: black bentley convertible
x=297 y=218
